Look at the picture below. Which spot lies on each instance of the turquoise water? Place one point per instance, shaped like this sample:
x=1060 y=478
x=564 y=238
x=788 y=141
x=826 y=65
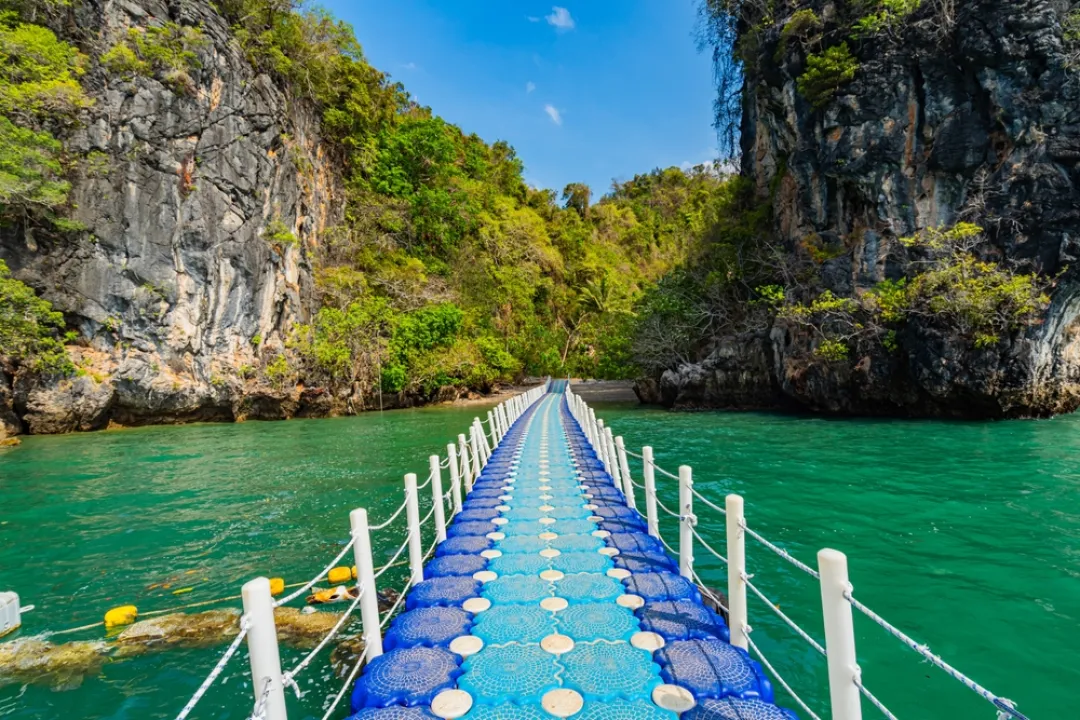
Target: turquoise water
x=963 y=534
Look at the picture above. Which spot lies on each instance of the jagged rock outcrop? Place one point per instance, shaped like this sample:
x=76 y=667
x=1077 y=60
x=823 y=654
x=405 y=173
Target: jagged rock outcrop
x=964 y=111
x=176 y=291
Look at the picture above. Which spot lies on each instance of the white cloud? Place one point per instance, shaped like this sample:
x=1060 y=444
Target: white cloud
x=409 y=66
x=554 y=114
x=560 y=18
x=533 y=18
x=529 y=87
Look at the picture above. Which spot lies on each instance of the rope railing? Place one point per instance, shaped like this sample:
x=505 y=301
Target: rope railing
x=289 y=678
x=780 y=678
x=872 y=698
x=311 y=583
x=832 y=573
x=1004 y=705
x=397 y=513
x=347 y=684
x=783 y=553
x=216 y=671
x=393 y=561
x=783 y=616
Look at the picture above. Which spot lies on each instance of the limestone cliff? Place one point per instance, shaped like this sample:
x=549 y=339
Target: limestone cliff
x=965 y=110
x=202 y=202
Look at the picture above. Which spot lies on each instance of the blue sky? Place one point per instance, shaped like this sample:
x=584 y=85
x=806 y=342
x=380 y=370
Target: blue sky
x=587 y=91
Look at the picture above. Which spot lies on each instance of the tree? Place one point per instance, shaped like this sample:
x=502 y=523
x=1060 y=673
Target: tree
x=576 y=197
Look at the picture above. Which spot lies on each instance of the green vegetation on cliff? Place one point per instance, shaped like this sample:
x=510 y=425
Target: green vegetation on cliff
x=449 y=268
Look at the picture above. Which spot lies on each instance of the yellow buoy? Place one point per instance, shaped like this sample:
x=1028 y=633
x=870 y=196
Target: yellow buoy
x=277 y=586
x=123 y=615
x=339 y=575
x=353 y=568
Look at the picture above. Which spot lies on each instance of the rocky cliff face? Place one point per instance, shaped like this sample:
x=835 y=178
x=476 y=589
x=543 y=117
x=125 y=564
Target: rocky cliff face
x=967 y=110
x=202 y=203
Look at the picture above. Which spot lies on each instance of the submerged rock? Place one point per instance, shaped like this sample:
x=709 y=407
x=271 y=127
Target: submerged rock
x=304 y=630
x=39 y=662
x=179 y=630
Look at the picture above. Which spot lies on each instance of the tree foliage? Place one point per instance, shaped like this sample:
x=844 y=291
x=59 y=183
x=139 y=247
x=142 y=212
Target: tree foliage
x=31 y=332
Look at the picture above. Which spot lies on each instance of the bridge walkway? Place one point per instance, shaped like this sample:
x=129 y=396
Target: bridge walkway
x=549 y=599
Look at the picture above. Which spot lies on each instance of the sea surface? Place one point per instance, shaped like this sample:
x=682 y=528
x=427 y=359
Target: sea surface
x=964 y=535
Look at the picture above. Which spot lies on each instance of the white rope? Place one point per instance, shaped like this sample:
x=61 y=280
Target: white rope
x=631 y=453
x=393 y=560
x=395 y=516
x=669 y=548
x=779 y=678
x=260 y=705
x=873 y=700
x=782 y=553
x=397 y=603
x=1004 y=705
x=221 y=663
x=708 y=547
x=289 y=678
x=346 y=685
x=666 y=509
x=780 y=613
x=707 y=592
x=708 y=502
x=307 y=586
x=427 y=482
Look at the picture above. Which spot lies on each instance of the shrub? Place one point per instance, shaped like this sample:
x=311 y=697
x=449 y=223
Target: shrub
x=168 y=52
x=826 y=73
x=30 y=330
x=888 y=16
x=278 y=234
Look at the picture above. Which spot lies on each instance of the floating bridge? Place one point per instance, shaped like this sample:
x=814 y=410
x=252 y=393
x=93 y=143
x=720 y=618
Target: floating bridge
x=549 y=598
x=546 y=593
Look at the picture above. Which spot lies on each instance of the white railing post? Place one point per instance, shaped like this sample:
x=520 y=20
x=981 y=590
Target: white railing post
x=624 y=468
x=601 y=442
x=463 y=452
x=736 y=555
x=839 y=636
x=455 y=476
x=592 y=430
x=483 y=439
x=474 y=453
x=365 y=581
x=649 y=473
x=263 y=648
x=613 y=469
x=437 y=496
x=686 y=519
x=493 y=429
x=412 y=513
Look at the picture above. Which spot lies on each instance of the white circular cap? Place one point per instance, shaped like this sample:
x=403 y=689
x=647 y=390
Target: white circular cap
x=610 y=552
x=547 y=508
x=594 y=518
x=491 y=554
x=484 y=576
x=476 y=605
x=554 y=604
x=547 y=497
x=562 y=702
x=547 y=521
x=451 y=704
x=496 y=536
x=674 y=698
x=587 y=496
x=502 y=508
x=552 y=575
x=548 y=536
x=584 y=488
x=499 y=521
x=597 y=533
x=550 y=553
x=544 y=488
x=506 y=498
x=557 y=644
x=647 y=641
x=466 y=645
x=618 y=573
x=630 y=602
x=591 y=506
